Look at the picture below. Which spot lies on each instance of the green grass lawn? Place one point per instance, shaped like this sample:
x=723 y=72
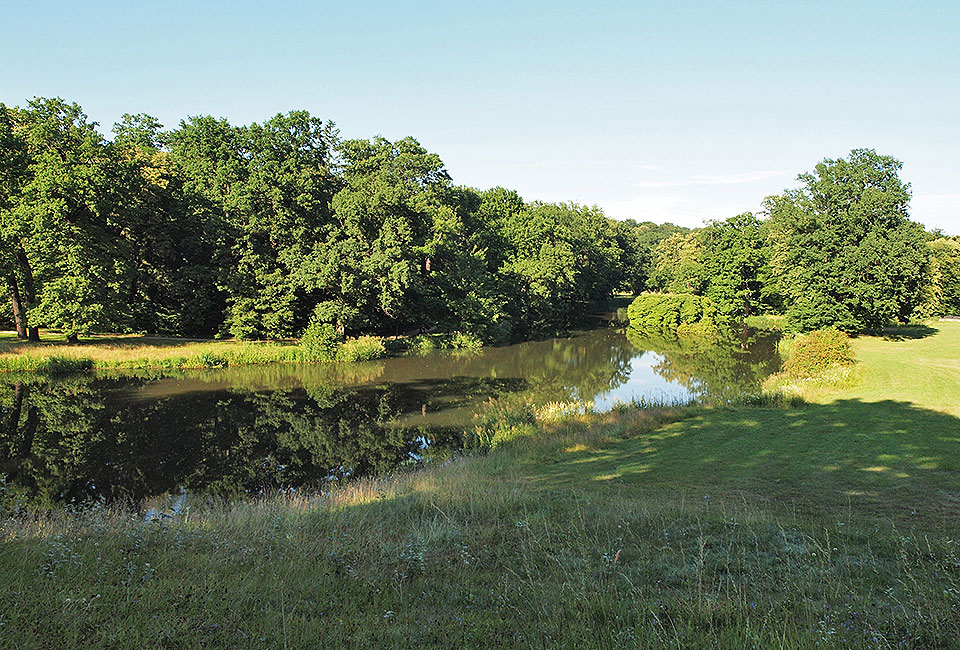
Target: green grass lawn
x=830 y=525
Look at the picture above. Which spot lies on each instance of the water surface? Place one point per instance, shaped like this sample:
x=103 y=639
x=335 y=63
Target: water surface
x=242 y=430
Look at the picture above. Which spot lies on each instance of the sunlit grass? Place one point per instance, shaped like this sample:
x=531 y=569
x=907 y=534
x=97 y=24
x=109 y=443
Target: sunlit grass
x=137 y=352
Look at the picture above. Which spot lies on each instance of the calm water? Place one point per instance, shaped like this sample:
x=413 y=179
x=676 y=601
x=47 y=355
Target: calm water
x=242 y=430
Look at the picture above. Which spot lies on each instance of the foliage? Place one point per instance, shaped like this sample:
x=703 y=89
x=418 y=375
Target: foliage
x=664 y=313
x=320 y=341
x=815 y=352
x=678 y=264
x=256 y=231
x=638 y=241
x=364 y=348
x=732 y=263
x=443 y=341
x=941 y=287
x=842 y=250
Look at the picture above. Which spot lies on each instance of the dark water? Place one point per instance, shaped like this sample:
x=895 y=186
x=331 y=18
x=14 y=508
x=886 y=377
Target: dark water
x=241 y=430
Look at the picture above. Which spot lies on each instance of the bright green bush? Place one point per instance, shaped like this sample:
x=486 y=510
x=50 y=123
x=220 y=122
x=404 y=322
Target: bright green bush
x=365 y=348
x=465 y=341
x=320 y=341
x=665 y=312
x=815 y=352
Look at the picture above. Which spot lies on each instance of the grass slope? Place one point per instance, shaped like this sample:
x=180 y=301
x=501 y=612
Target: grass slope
x=832 y=525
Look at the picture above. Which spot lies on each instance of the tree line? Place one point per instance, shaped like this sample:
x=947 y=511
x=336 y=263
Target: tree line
x=258 y=231
x=839 y=251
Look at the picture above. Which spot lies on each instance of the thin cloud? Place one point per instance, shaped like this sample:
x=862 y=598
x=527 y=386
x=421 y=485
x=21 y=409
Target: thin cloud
x=723 y=179
x=661 y=209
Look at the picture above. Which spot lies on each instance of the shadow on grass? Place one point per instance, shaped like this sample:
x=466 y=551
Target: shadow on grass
x=888 y=457
x=906 y=332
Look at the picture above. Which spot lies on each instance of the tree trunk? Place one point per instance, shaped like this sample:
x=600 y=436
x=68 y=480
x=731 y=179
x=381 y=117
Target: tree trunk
x=73 y=338
x=19 y=392
x=19 y=317
x=29 y=292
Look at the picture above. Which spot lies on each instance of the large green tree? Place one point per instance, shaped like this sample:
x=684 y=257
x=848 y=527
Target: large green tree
x=371 y=268
x=732 y=259
x=563 y=259
x=57 y=223
x=843 y=250
x=265 y=191
x=941 y=287
x=678 y=264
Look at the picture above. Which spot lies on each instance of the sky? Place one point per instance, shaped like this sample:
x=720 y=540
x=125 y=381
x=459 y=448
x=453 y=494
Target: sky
x=662 y=111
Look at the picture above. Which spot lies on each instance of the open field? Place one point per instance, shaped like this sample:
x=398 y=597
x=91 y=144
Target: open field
x=830 y=525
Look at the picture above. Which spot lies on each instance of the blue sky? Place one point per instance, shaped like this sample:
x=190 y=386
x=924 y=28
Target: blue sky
x=679 y=111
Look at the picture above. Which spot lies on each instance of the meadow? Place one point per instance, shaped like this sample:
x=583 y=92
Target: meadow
x=830 y=523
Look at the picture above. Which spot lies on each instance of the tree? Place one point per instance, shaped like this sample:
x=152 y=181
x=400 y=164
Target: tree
x=56 y=224
x=678 y=264
x=732 y=259
x=265 y=190
x=638 y=242
x=941 y=286
x=13 y=170
x=843 y=250
x=563 y=259
x=375 y=253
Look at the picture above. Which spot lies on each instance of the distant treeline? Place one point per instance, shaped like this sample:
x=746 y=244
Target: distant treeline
x=256 y=231
x=840 y=251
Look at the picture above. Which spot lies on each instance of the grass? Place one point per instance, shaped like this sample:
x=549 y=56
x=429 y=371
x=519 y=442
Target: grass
x=54 y=355
x=119 y=352
x=829 y=525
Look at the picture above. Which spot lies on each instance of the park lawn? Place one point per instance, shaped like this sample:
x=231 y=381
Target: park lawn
x=829 y=525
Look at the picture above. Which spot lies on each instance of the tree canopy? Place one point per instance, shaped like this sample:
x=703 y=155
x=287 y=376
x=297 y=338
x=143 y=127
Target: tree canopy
x=256 y=231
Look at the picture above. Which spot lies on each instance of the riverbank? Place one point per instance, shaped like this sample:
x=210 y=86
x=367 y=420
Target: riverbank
x=53 y=355
x=131 y=352
x=833 y=524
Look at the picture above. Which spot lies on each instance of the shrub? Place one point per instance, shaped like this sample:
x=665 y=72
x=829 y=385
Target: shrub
x=465 y=341
x=320 y=341
x=817 y=351
x=424 y=343
x=365 y=348
x=665 y=312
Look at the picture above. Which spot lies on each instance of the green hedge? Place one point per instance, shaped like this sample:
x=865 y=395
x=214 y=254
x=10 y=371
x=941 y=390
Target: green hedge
x=665 y=312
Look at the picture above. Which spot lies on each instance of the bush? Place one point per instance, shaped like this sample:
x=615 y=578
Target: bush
x=465 y=341
x=320 y=341
x=365 y=348
x=665 y=312
x=817 y=351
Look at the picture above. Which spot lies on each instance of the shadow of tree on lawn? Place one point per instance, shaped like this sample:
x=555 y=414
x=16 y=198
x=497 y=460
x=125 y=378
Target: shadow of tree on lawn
x=889 y=457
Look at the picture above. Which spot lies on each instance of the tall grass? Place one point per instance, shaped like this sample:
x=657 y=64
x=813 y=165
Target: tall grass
x=472 y=554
